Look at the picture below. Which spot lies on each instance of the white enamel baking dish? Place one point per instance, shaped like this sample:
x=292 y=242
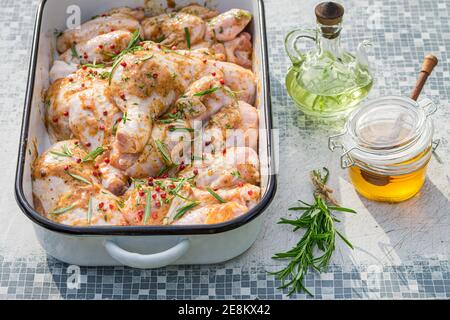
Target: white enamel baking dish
x=144 y=246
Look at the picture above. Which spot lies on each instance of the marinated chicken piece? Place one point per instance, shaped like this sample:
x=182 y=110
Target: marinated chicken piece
x=166 y=151
x=80 y=106
x=50 y=173
x=149 y=201
x=174 y=29
x=239 y=50
x=113 y=179
x=199 y=11
x=95 y=27
x=212 y=214
x=204 y=52
x=225 y=169
x=235 y=125
x=228 y=25
x=99 y=49
x=147 y=82
x=204 y=98
x=136 y=13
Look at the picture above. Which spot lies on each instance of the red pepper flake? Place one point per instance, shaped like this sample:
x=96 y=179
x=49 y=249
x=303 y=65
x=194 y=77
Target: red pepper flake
x=158 y=203
x=250 y=192
x=55 y=119
x=215 y=189
x=163 y=195
x=101 y=127
x=240 y=184
x=85 y=55
x=140 y=215
x=224 y=151
x=141 y=193
x=195 y=171
x=95 y=173
x=159 y=46
x=100 y=205
x=174 y=47
x=122 y=96
x=78 y=160
x=96 y=166
x=222 y=81
x=141 y=43
x=82 y=85
x=87 y=144
x=165 y=175
x=84 y=67
x=70 y=79
x=112 y=29
x=105 y=113
x=154 y=196
x=205 y=61
x=213 y=74
x=154 y=216
x=123 y=64
x=66 y=168
x=172 y=186
x=112 y=46
x=175 y=111
x=215 y=64
x=111 y=206
x=66 y=113
x=150 y=183
x=155 y=75
x=158 y=189
x=181 y=167
x=100 y=46
x=106 y=160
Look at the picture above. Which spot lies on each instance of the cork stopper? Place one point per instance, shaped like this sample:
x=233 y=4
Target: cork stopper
x=329 y=13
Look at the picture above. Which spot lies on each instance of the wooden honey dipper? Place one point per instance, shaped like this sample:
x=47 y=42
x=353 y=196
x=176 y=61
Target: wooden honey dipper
x=428 y=65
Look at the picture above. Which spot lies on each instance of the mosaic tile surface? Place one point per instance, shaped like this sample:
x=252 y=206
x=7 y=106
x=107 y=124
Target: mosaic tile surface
x=400 y=251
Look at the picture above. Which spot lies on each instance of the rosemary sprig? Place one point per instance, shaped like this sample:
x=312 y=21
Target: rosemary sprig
x=93 y=65
x=91 y=156
x=125 y=117
x=186 y=208
x=79 y=178
x=148 y=205
x=205 y=92
x=65 y=152
x=173 y=129
x=318 y=221
x=62 y=210
x=164 y=152
x=187 y=36
x=215 y=195
x=73 y=49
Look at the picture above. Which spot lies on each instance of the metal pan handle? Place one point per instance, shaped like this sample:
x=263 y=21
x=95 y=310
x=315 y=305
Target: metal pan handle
x=147 y=261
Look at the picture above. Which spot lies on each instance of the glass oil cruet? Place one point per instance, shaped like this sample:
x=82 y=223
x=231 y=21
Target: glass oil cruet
x=327 y=81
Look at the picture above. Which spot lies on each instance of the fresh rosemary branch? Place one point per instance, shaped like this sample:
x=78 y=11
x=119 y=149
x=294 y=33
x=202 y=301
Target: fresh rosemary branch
x=320 y=234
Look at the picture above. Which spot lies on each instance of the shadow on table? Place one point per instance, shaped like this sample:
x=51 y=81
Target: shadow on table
x=416 y=227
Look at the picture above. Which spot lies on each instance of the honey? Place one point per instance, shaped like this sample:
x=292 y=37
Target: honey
x=387 y=188
x=387 y=147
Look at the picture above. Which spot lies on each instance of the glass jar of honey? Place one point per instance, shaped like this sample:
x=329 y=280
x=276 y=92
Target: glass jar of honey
x=387 y=144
